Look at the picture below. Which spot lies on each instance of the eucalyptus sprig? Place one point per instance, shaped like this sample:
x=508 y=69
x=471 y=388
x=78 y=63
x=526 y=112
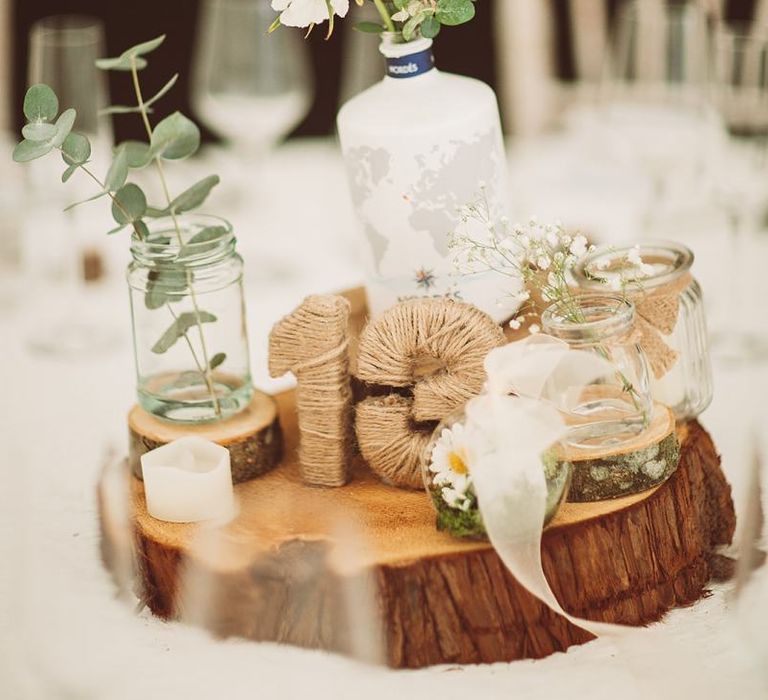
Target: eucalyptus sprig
x=173 y=138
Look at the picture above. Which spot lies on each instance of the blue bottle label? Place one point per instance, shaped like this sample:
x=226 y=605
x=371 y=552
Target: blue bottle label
x=412 y=65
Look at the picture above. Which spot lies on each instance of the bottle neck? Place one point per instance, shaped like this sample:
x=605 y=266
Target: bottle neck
x=407 y=60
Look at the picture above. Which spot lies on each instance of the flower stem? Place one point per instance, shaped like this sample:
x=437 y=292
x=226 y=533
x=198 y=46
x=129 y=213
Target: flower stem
x=388 y=23
x=193 y=297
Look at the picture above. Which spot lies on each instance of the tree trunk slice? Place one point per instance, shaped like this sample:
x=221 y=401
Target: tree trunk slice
x=284 y=570
x=632 y=466
x=253 y=437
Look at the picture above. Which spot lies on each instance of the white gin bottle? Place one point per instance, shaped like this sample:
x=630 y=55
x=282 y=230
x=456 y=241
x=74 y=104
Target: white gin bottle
x=418 y=146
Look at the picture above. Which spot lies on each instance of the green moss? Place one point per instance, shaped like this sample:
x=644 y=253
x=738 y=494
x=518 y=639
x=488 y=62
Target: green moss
x=623 y=474
x=459 y=523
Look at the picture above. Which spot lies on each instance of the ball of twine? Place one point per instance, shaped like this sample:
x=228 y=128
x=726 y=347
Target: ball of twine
x=436 y=347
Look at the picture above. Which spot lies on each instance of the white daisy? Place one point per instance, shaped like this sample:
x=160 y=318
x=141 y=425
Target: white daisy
x=450 y=465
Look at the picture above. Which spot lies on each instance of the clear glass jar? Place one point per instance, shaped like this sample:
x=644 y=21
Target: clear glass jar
x=617 y=406
x=686 y=387
x=446 y=468
x=189 y=330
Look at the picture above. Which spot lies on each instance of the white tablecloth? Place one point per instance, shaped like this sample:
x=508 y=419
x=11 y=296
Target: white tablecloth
x=64 y=635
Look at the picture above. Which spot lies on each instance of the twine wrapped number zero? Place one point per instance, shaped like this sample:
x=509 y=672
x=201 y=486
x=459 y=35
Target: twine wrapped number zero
x=431 y=352
x=313 y=343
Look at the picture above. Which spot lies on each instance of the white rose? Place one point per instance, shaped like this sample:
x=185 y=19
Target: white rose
x=302 y=13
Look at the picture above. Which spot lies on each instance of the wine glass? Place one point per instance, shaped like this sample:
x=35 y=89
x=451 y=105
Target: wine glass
x=250 y=86
x=740 y=92
x=653 y=107
x=62 y=53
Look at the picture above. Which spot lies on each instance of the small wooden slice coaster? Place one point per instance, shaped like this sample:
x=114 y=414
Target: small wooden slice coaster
x=253 y=437
x=632 y=466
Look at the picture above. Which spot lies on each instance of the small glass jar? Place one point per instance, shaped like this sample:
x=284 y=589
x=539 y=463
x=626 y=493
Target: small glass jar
x=189 y=330
x=617 y=406
x=686 y=387
x=446 y=470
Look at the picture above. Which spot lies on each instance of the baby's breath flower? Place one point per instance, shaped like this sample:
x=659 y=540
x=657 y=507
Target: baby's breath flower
x=534 y=328
x=578 y=246
x=515 y=324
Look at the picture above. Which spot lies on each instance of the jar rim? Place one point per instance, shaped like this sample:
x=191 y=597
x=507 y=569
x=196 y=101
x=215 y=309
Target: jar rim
x=675 y=258
x=616 y=315
x=153 y=251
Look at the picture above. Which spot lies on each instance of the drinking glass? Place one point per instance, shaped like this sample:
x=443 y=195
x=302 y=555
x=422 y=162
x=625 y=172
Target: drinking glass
x=62 y=53
x=740 y=92
x=249 y=86
x=653 y=101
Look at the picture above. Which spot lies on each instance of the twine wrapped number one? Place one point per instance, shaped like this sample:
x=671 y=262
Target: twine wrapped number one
x=432 y=351
x=313 y=343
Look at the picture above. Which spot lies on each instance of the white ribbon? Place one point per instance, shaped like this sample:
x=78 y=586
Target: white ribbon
x=511 y=434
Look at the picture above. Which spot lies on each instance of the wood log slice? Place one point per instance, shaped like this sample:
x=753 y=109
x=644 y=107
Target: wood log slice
x=253 y=436
x=349 y=568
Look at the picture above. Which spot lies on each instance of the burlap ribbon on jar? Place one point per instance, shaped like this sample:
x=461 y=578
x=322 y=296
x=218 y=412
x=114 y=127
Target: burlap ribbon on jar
x=656 y=312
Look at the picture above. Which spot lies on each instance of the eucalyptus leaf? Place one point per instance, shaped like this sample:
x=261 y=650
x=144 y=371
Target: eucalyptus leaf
x=453 y=12
x=410 y=27
x=144 y=47
x=76 y=149
x=155 y=212
x=38 y=131
x=120 y=63
x=64 y=125
x=175 y=137
x=115 y=230
x=69 y=172
x=194 y=196
x=141 y=228
x=165 y=285
x=430 y=27
x=369 y=27
x=179 y=328
x=210 y=234
x=118 y=171
x=129 y=204
x=217 y=360
x=137 y=152
x=162 y=91
x=40 y=103
x=29 y=150
x=84 y=201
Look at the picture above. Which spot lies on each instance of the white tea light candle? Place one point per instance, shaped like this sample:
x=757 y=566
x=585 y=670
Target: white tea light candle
x=188 y=480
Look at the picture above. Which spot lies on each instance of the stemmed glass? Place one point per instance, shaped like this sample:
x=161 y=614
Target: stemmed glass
x=654 y=106
x=250 y=87
x=740 y=92
x=62 y=53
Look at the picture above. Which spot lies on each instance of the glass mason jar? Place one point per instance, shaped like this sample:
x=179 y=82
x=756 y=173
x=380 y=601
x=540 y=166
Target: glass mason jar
x=446 y=471
x=617 y=406
x=686 y=387
x=189 y=331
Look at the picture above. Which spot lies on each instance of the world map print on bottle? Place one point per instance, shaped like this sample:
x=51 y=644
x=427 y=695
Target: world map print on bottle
x=418 y=146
